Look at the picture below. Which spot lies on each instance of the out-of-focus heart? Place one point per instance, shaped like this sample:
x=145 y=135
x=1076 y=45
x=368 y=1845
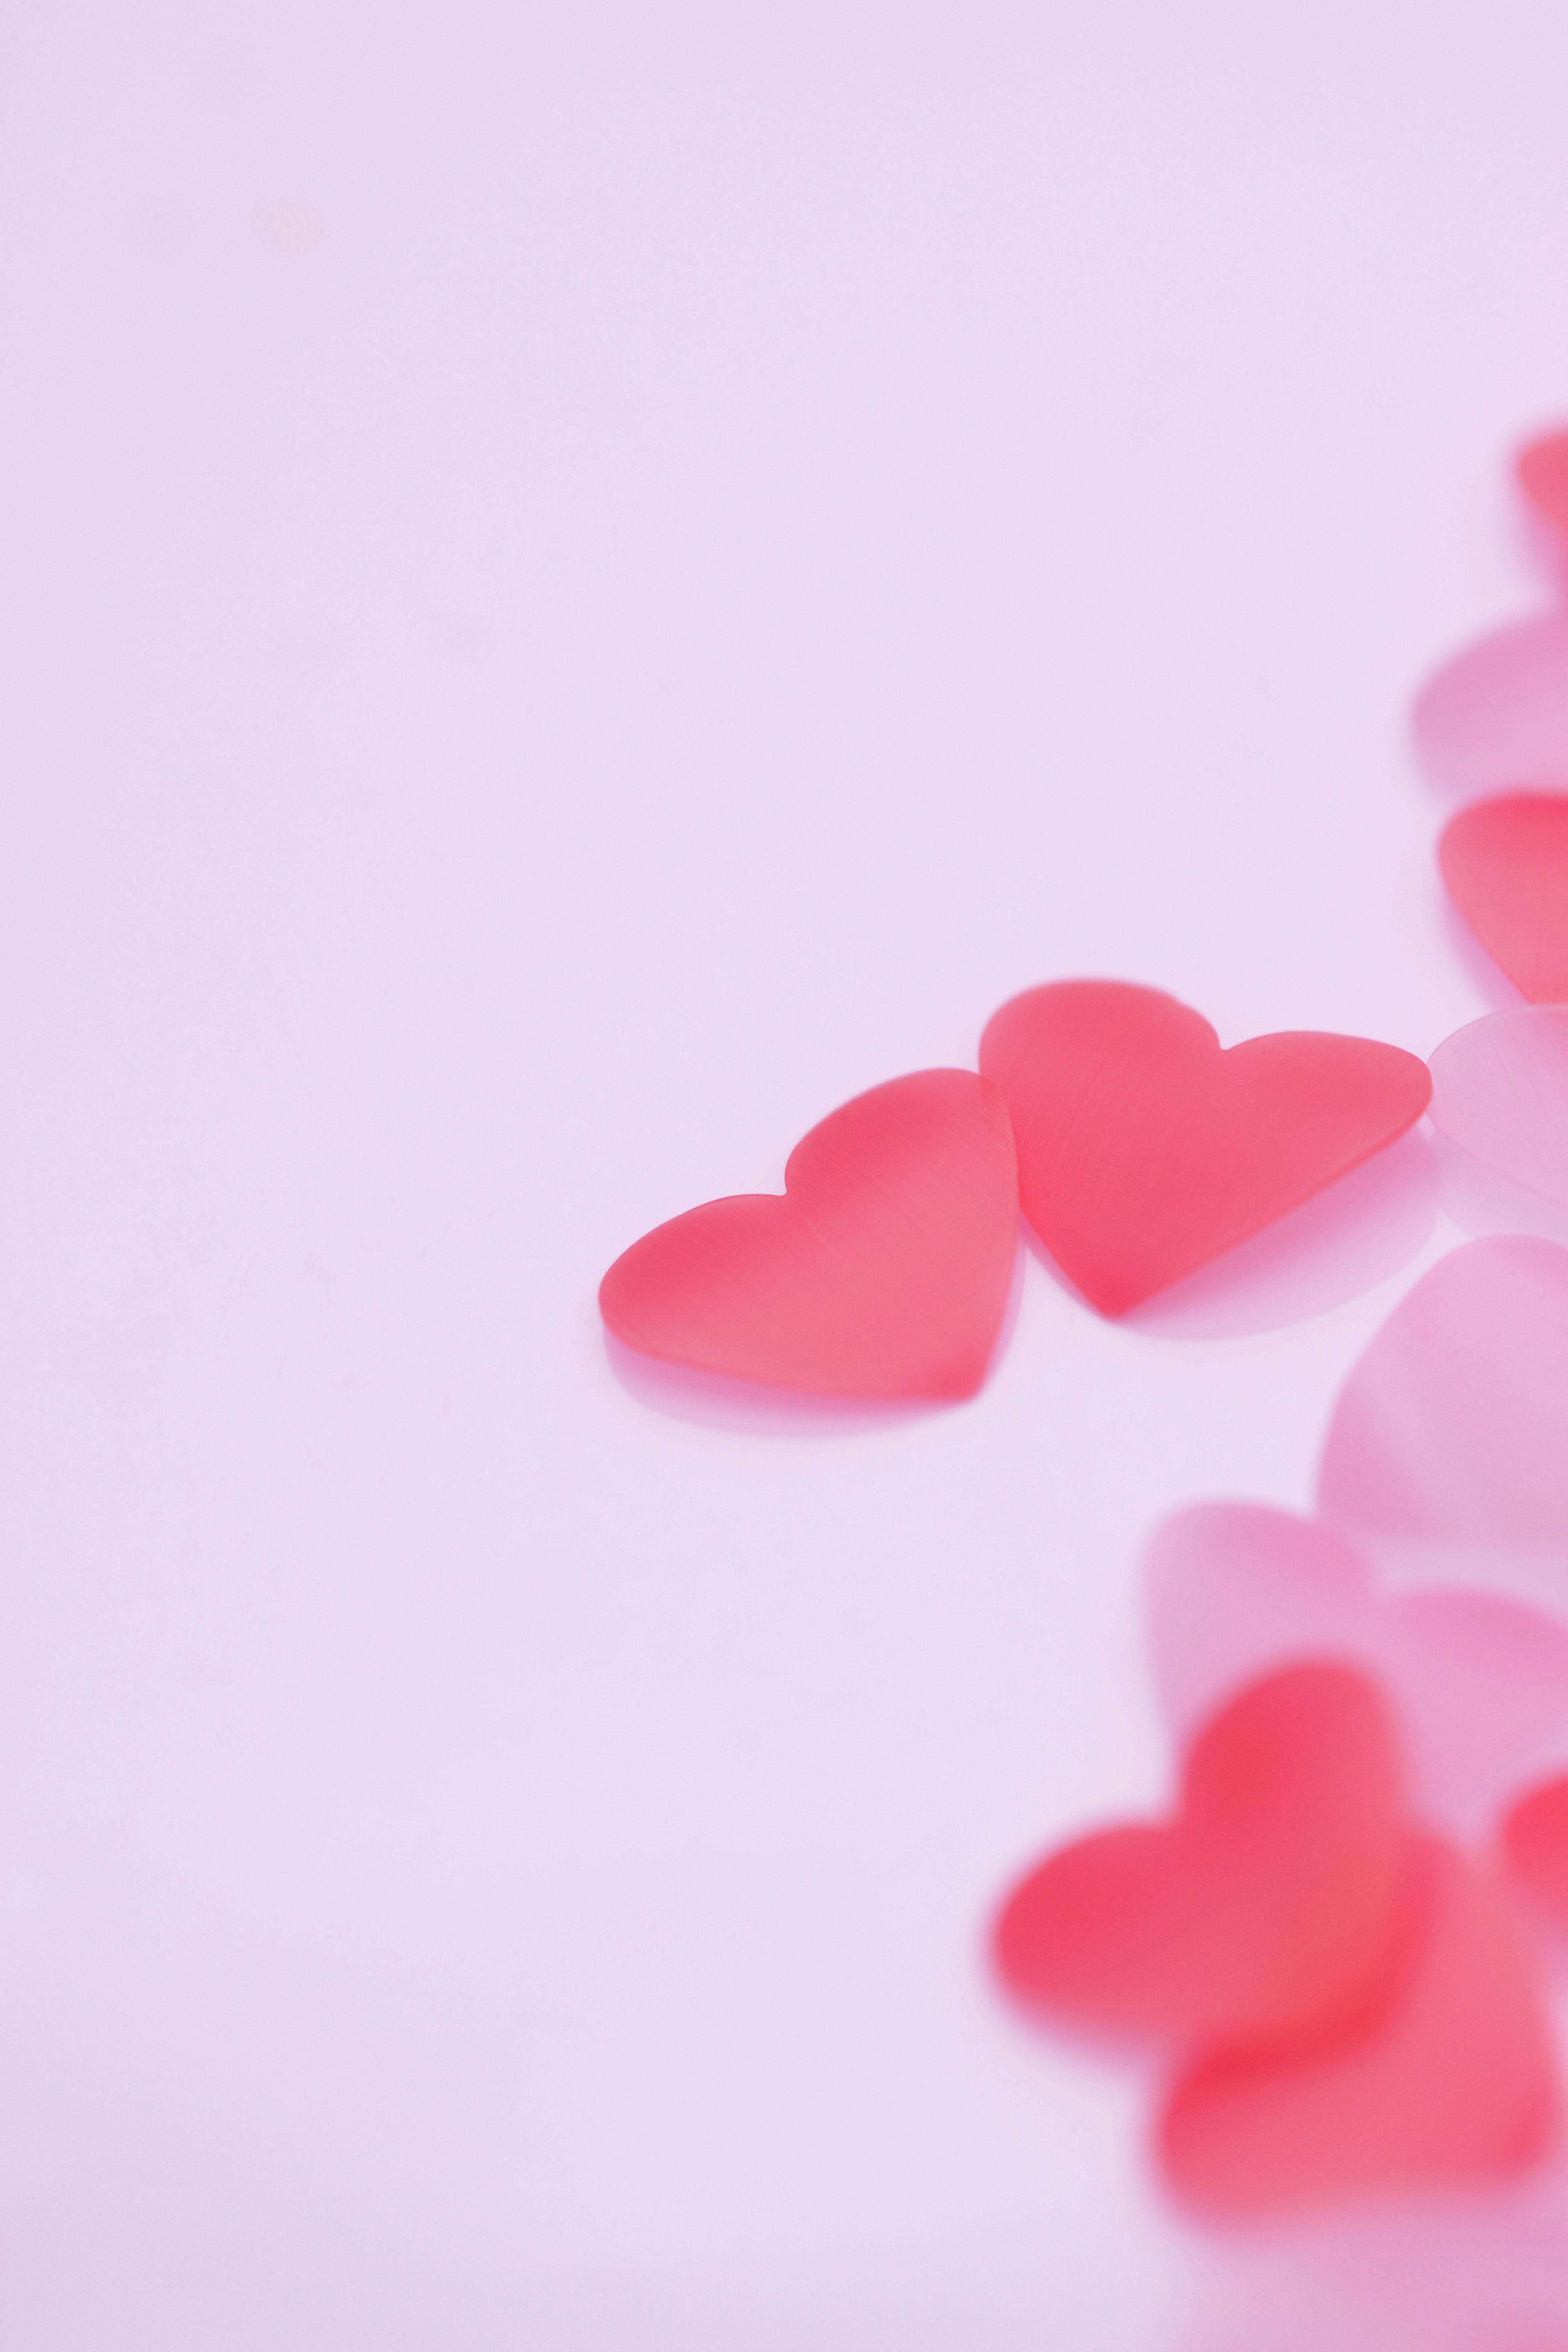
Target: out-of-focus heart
x=1534 y=1842
x=1480 y=1683
x=1500 y=1089
x=882 y=1271
x=1145 y=1152
x=1494 y=718
x=1264 y=1907
x=1450 y=2080
x=1451 y=1432
x=1505 y=863
x=1541 y=471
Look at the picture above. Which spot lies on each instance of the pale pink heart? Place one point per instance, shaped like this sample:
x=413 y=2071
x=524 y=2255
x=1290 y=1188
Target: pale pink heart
x=1451 y=1433
x=1495 y=717
x=1500 y=1090
x=1480 y=1684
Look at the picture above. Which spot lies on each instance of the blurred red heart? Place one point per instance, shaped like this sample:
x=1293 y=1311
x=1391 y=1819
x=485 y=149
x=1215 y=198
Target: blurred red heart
x=1505 y=862
x=1541 y=471
x=1535 y=1846
x=1451 y=2079
x=882 y=1271
x=1266 y=1908
x=1144 y=1151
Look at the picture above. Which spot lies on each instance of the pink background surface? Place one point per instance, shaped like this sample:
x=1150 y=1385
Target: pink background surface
x=581 y=585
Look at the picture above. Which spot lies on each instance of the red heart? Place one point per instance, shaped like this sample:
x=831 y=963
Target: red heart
x=1144 y=1151
x=1451 y=2079
x=883 y=1271
x=1505 y=862
x=1535 y=1846
x=1541 y=469
x=1264 y=1908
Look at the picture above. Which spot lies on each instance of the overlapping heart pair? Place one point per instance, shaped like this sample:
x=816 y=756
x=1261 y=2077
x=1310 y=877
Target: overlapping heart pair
x=1332 y=1942
x=1332 y=1938
x=1137 y=1151
x=1336 y=1974
x=1345 y=1997
x=1329 y=1942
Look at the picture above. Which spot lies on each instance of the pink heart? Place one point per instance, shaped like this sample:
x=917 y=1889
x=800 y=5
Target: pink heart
x=1235 y=1589
x=882 y=1271
x=1265 y=1907
x=1500 y=1090
x=1533 y=1840
x=1541 y=469
x=1504 y=863
x=1451 y=2079
x=1145 y=1151
x=1452 y=1430
x=1494 y=718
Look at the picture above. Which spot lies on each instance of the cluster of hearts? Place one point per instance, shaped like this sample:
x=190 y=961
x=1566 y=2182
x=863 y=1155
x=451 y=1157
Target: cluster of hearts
x=1334 y=1949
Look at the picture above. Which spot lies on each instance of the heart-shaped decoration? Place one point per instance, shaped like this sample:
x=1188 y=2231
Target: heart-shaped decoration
x=1452 y=1429
x=1450 y=2080
x=1264 y=1908
x=1494 y=718
x=1534 y=1842
x=1500 y=1090
x=1505 y=864
x=1541 y=471
x=882 y=1272
x=1144 y=1151
x=1480 y=1683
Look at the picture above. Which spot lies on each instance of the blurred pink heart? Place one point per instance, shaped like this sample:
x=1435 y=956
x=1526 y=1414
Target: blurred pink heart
x=1451 y=1433
x=1500 y=1090
x=1480 y=1684
x=1495 y=717
x=1541 y=469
